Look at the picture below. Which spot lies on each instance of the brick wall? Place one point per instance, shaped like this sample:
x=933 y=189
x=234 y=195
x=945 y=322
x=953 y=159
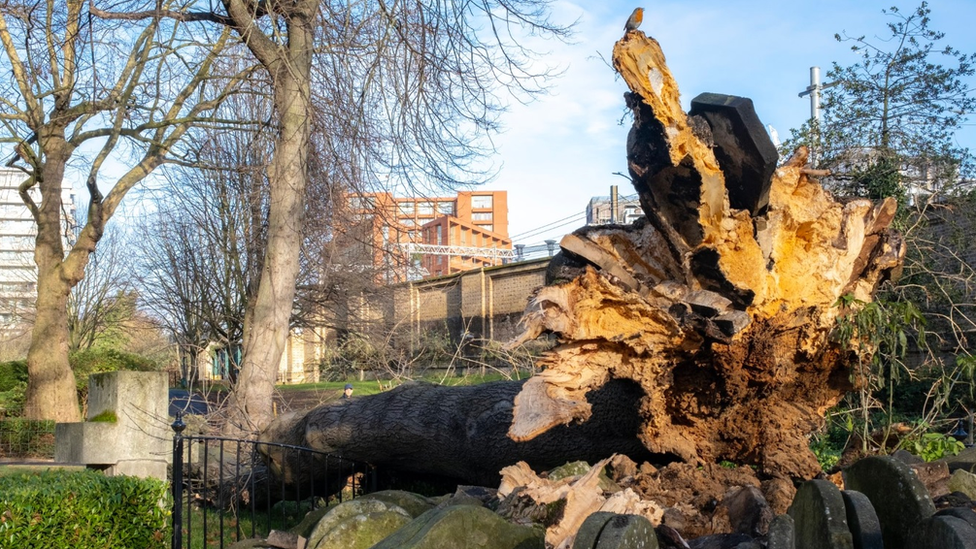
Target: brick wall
x=487 y=302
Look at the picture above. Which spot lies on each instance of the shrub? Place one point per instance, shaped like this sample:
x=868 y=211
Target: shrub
x=13 y=387
x=932 y=446
x=12 y=373
x=12 y=401
x=82 y=510
x=95 y=361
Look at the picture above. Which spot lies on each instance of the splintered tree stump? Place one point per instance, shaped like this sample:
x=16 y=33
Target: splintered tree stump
x=720 y=305
x=699 y=334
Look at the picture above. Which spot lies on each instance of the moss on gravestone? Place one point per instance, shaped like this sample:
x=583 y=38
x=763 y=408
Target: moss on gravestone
x=463 y=526
x=344 y=519
x=414 y=504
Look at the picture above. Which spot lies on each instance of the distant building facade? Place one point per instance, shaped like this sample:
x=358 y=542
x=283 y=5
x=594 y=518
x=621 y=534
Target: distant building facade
x=18 y=272
x=600 y=210
x=408 y=238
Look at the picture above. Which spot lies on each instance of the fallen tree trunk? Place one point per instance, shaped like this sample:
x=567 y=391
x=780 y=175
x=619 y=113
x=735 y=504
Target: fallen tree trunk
x=718 y=309
x=457 y=434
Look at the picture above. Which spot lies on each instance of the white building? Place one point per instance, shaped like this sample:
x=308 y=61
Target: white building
x=18 y=273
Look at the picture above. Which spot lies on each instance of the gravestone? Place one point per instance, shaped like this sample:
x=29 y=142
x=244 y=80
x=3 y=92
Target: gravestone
x=780 y=535
x=748 y=511
x=862 y=520
x=943 y=532
x=724 y=541
x=745 y=154
x=127 y=431
x=343 y=522
x=965 y=460
x=820 y=517
x=963 y=481
x=898 y=496
x=412 y=503
x=964 y=513
x=466 y=526
x=603 y=530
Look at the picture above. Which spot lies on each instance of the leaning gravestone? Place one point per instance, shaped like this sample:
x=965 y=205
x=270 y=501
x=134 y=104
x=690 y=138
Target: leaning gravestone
x=748 y=511
x=862 y=520
x=590 y=530
x=943 y=532
x=820 y=517
x=965 y=460
x=742 y=147
x=899 y=498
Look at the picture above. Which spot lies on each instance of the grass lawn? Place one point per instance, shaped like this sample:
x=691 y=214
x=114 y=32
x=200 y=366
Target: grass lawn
x=21 y=468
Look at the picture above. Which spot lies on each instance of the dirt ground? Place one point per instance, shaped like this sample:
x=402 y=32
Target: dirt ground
x=692 y=495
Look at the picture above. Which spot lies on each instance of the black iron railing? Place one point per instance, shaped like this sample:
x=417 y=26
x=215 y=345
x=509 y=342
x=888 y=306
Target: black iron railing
x=226 y=489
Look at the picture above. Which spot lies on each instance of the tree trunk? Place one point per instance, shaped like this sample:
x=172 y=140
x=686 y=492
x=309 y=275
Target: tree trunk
x=51 y=391
x=457 y=433
x=268 y=315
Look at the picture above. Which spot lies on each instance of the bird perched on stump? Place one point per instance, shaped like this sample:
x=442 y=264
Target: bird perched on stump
x=634 y=20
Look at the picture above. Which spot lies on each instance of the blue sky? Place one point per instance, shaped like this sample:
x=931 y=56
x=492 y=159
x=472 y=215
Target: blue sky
x=561 y=150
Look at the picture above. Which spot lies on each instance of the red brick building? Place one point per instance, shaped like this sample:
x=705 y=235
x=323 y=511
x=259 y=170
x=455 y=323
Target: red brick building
x=410 y=238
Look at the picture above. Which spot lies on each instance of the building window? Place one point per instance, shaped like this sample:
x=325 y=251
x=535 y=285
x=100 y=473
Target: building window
x=445 y=208
x=487 y=227
x=362 y=203
x=481 y=202
x=440 y=235
x=425 y=208
x=406 y=208
x=408 y=222
x=483 y=216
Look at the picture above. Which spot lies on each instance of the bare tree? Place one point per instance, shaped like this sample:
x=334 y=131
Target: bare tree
x=200 y=250
x=76 y=82
x=99 y=301
x=403 y=90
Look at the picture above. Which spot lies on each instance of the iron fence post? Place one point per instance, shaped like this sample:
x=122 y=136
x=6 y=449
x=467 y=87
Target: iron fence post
x=178 y=427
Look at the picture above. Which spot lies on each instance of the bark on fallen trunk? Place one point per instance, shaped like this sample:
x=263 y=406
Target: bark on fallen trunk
x=459 y=433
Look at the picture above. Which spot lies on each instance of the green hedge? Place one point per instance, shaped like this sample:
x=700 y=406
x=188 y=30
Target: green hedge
x=96 y=361
x=83 y=510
